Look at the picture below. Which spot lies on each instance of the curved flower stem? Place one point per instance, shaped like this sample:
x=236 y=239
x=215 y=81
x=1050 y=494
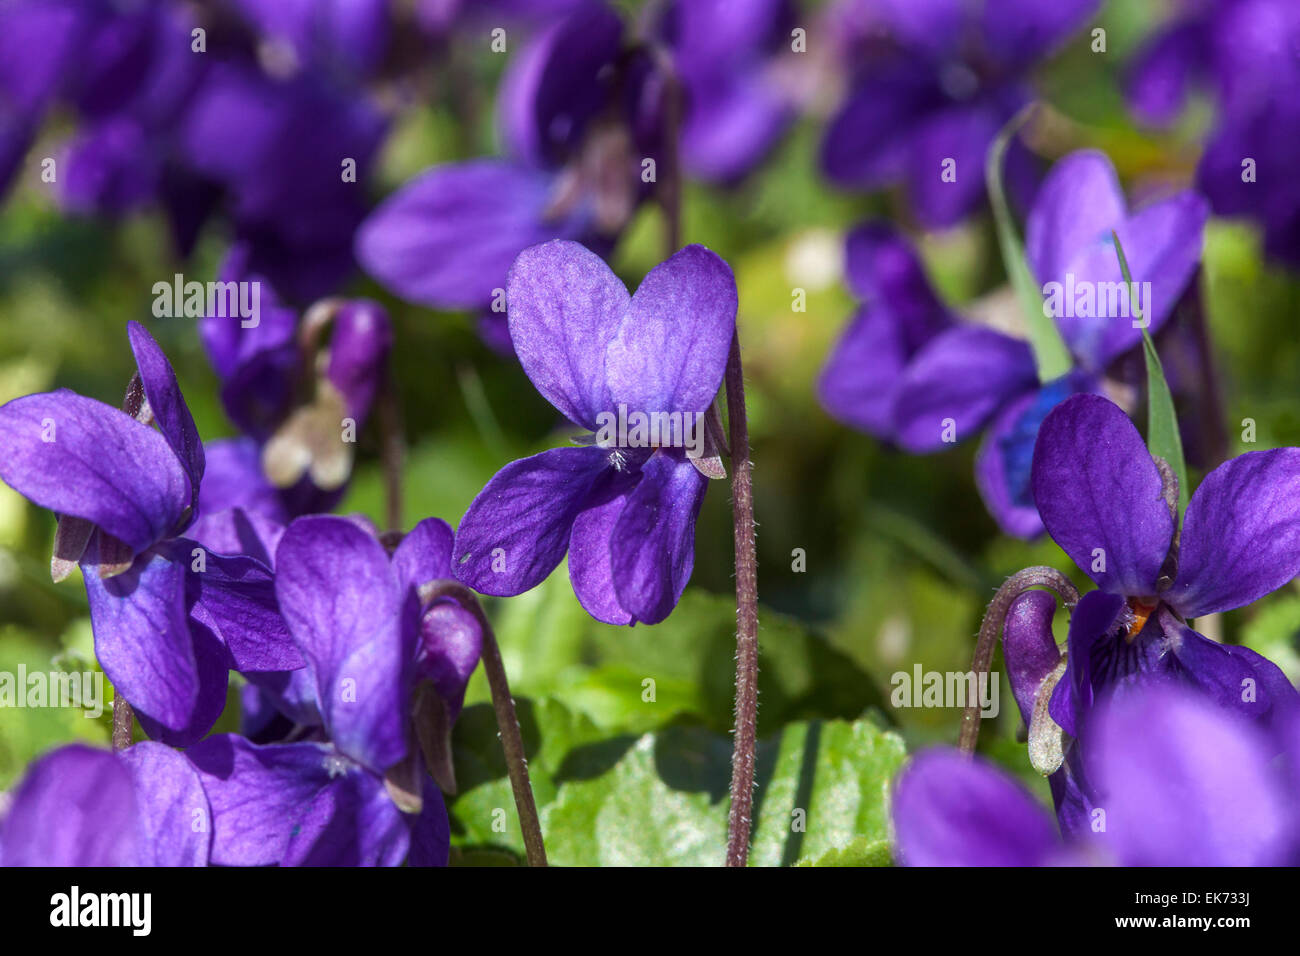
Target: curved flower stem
x=991 y=628
x=742 y=505
x=507 y=720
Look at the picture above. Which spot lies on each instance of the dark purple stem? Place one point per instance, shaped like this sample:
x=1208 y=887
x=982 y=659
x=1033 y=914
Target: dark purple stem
x=670 y=179
x=742 y=506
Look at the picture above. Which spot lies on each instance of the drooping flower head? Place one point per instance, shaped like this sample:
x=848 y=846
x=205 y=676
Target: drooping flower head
x=301 y=391
x=624 y=510
x=579 y=117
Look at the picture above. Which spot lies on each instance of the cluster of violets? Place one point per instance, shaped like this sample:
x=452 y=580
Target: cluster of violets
x=354 y=667
x=203 y=558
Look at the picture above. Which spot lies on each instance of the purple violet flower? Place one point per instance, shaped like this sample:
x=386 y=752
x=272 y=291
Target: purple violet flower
x=154 y=118
x=81 y=806
x=1104 y=501
x=1244 y=51
x=373 y=651
x=907 y=371
x=1175 y=780
x=578 y=118
x=727 y=55
x=624 y=511
x=306 y=447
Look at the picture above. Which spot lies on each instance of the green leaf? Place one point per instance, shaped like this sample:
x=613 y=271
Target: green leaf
x=483 y=811
x=553 y=648
x=1163 y=438
x=822 y=785
x=861 y=852
x=1050 y=354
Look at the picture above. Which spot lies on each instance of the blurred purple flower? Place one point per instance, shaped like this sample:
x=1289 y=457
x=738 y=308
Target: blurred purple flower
x=345 y=39
x=578 y=117
x=727 y=56
x=1245 y=53
x=230 y=125
x=80 y=806
x=933 y=81
x=283 y=175
x=625 y=515
x=905 y=364
x=1174 y=781
x=360 y=795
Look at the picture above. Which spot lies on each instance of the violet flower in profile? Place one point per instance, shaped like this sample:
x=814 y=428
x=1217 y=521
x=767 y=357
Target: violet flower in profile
x=1175 y=781
x=935 y=82
x=81 y=806
x=907 y=371
x=169 y=618
x=578 y=118
x=1105 y=502
x=385 y=670
x=622 y=507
